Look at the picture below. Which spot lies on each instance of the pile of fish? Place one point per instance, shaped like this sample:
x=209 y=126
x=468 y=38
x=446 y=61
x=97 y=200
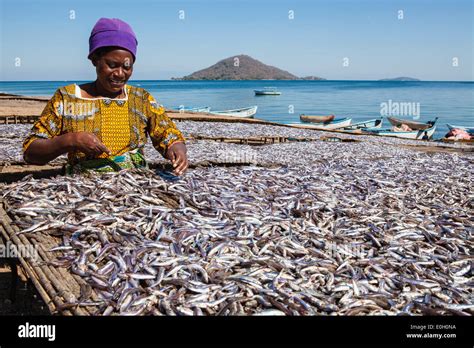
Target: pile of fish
x=12 y=136
x=11 y=141
x=309 y=153
x=320 y=234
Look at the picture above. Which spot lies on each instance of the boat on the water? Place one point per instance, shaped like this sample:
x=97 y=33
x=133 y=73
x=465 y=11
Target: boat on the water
x=414 y=125
x=425 y=133
x=317 y=118
x=243 y=112
x=374 y=123
x=267 y=91
x=193 y=109
x=334 y=124
x=470 y=130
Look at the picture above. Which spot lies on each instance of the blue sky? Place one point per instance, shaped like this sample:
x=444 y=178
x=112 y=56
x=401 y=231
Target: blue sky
x=52 y=46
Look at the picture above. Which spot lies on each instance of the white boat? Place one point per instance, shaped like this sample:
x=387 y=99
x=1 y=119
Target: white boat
x=196 y=109
x=267 y=91
x=374 y=123
x=470 y=130
x=334 y=124
x=423 y=134
x=243 y=112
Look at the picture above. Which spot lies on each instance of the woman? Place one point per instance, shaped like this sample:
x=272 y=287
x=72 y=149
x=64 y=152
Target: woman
x=103 y=125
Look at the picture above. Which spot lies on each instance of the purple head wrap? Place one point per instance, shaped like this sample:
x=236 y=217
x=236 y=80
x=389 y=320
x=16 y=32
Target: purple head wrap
x=112 y=32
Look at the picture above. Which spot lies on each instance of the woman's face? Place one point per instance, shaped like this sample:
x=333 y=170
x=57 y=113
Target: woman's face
x=114 y=68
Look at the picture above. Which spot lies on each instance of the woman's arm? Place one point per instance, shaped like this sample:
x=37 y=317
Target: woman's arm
x=165 y=136
x=41 y=151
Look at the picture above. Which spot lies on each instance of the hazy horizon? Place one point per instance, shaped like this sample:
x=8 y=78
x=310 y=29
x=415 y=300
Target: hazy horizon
x=176 y=80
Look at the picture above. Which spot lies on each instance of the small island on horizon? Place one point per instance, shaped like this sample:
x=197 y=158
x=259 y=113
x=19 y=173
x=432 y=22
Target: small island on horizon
x=242 y=67
x=403 y=78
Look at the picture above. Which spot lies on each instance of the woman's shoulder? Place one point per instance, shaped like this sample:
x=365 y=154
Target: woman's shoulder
x=147 y=97
x=68 y=90
x=142 y=93
x=63 y=93
x=137 y=91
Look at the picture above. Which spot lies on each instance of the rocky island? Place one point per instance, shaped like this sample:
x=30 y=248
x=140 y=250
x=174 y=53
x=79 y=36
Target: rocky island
x=243 y=67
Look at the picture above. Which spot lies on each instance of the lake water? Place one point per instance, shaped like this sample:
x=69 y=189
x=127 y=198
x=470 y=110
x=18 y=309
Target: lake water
x=452 y=102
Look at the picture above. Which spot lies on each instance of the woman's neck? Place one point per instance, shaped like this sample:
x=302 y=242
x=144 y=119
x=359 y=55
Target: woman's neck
x=95 y=90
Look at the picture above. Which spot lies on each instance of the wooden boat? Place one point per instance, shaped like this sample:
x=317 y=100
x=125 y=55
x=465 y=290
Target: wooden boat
x=316 y=119
x=335 y=124
x=267 y=91
x=414 y=134
x=375 y=123
x=470 y=130
x=196 y=109
x=243 y=112
x=463 y=141
x=397 y=122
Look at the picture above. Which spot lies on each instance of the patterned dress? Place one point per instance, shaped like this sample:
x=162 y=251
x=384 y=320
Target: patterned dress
x=122 y=125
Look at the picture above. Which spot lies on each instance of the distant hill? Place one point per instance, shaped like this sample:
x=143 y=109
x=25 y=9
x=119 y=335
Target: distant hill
x=312 y=78
x=242 y=67
x=401 y=79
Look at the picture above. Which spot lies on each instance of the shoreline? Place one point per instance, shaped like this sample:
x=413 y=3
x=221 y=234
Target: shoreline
x=177 y=80
x=20 y=109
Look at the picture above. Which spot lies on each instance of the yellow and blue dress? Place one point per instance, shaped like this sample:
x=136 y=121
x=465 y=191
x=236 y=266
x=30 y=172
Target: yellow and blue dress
x=122 y=125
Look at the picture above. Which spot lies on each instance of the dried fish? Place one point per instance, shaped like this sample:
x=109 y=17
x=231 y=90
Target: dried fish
x=364 y=228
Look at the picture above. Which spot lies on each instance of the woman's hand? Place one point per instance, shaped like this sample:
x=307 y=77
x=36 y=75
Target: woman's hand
x=176 y=153
x=41 y=151
x=89 y=144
